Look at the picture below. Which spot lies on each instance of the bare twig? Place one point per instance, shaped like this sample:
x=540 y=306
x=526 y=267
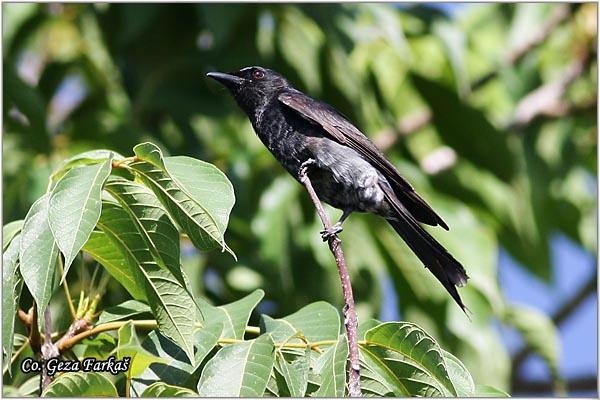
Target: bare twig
x=78 y=326
x=25 y=318
x=548 y=99
x=350 y=318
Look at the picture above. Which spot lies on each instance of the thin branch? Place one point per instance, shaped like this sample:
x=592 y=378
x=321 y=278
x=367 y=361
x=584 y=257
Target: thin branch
x=350 y=318
x=25 y=318
x=548 y=99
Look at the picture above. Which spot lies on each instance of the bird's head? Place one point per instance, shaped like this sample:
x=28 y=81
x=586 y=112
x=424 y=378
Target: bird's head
x=252 y=87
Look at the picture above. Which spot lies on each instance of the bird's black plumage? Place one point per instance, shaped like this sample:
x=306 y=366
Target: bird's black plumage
x=349 y=172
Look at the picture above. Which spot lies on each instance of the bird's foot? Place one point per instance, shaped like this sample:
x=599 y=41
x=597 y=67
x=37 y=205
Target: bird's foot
x=302 y=174
x=329 y=233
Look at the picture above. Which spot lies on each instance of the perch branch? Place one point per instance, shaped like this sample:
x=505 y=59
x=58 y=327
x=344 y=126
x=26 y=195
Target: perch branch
x=350 y=318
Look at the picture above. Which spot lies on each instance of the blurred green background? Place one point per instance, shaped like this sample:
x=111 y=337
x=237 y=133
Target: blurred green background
x=489 y=110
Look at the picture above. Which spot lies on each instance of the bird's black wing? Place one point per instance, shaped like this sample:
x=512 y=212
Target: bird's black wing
x=342 y=131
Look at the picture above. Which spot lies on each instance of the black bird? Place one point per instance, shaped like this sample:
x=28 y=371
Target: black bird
x=347 y=171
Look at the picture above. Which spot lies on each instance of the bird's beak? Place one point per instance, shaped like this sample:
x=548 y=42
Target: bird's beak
x=228 y=80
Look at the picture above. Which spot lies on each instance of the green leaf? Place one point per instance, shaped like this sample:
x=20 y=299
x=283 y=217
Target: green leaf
x=100 y=347
x=205 y=183
x=81 y=384
x=129 y=346
x=201 y=212
x=123 y=310
x=364 y=326
x=380 y=377
x=239 y=370
x=114 y=256
x=38 y=254
x=161 y=389
x=82 y=159
x=412 y=353
x=300 y=41
x=205 y=339
x=12 y=283
x=539 y=332
x=9 y=231
x=454 y=42
x=234 y=316
x=331 y=367
x=75 y=208
x=316 y=321
x=177 y=369
x=295 y=372
x=489 y=391
x=143 y=231
x=459 y=375
x=29 y=388
x=479 y=141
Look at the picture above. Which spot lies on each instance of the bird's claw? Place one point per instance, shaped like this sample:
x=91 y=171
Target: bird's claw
x=304 y=168
x=329 y=233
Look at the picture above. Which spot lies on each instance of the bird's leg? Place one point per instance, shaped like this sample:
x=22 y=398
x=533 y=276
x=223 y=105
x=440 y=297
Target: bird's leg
x=337 y=228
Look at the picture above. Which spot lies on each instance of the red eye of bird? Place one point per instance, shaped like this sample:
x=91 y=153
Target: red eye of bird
x=258 y=74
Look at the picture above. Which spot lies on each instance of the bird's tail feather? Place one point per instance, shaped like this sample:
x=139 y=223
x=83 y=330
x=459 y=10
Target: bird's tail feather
x=432 y=254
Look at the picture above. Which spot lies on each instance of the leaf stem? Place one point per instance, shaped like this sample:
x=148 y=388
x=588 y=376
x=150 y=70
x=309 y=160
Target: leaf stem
x=15 y=355
x=67 y=343
x=66 y=289
x=252 y=329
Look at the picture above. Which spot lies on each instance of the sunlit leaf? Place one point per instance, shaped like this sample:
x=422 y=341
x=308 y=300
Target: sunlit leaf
x=124 y=310
x=140 y=228
x=188 y=192
x=459 y=375
x=38 y=254
x=82 y=159
x=331 y=367
x=489 y=391
x=12 y=283
x=9 y=231
x=129 y=346
x=234 y=316
x=316 y=321
x=161 y=389
x=295 y=372
x=81 y=384
x=239 y=370
x=413 y=353
x=75 y=207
